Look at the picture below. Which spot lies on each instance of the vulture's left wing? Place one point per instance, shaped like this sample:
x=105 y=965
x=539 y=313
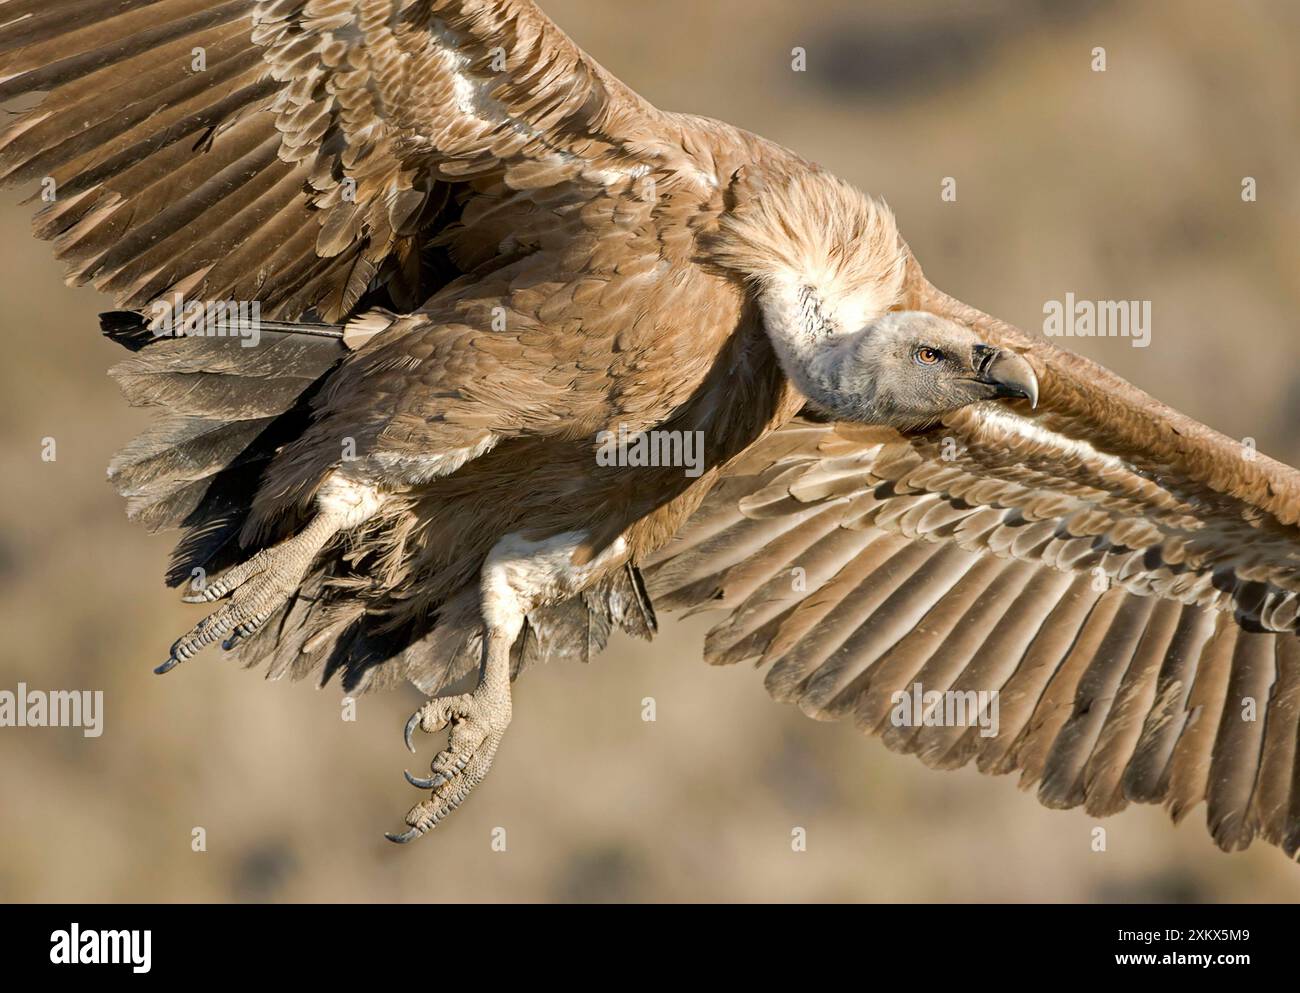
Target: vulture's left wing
x=1126 y=581
x=298 y=152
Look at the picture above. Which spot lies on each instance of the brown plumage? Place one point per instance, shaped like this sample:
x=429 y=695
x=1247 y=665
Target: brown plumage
x=476 y=254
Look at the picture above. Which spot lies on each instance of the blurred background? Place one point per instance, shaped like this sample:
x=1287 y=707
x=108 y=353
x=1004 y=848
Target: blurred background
x=1123 y=184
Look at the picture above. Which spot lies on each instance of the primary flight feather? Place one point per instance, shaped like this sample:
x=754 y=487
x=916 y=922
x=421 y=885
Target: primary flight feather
x=472 y=256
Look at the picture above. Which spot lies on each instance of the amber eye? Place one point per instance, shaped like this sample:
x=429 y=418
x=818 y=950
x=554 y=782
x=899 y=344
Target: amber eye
x=928 y=356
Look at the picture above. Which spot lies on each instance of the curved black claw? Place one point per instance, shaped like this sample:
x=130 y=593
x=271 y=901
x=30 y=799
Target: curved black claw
x=167 y=666
x=404 y=837
x=433 y=782
x=410 y=730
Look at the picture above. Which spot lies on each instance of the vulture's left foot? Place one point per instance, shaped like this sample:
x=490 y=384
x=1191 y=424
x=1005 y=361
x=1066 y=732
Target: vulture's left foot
x=478 y=722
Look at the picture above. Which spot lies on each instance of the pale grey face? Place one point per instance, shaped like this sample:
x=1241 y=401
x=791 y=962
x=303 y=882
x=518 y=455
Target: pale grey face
x=909 y=368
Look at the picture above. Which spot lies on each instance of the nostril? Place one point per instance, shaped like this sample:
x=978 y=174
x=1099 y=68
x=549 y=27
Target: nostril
x=983 y=358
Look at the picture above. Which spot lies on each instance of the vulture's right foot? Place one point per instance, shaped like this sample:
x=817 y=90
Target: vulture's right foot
x=478 y=721
x=256 y=588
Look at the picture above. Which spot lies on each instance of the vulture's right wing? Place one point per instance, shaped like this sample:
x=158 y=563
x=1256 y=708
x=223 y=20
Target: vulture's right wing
x=1125 y=579
x=296 y=152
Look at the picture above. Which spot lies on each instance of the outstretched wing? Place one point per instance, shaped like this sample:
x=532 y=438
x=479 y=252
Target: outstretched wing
x=298 y=152
x=1125 y=579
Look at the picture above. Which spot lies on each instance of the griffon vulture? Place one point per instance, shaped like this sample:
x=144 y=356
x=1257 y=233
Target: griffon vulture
x=474 y=255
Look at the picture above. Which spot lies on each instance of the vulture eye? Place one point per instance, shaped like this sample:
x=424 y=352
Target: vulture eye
x=926 y=355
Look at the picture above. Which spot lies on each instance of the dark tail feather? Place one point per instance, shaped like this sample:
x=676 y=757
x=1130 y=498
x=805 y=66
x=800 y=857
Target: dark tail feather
x=127 y=328
x=133 y=330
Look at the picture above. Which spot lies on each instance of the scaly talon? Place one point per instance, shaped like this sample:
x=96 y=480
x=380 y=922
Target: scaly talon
x=433 y=782
x=408 y=734
x=246 y=629
x=478 y=722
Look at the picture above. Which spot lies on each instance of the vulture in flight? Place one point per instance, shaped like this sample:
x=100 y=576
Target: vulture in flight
x=393 y=273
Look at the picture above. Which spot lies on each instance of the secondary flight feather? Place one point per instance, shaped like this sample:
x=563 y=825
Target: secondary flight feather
x=448 y=254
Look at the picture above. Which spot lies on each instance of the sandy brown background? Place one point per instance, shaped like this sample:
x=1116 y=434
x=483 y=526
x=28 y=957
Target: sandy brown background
x=1123 y=184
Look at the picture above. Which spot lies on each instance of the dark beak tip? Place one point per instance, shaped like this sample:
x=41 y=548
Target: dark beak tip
x=1011 y=376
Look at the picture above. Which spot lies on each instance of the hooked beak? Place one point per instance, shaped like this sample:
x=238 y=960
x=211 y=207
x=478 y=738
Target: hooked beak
x=1008 y=373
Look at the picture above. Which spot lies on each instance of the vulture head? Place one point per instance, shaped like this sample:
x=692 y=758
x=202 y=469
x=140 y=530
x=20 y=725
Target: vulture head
x=909 y=368
x=827 y=267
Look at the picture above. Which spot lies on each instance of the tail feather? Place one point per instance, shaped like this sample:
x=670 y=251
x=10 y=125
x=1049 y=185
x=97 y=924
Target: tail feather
x=127 y=328
x=173 y=455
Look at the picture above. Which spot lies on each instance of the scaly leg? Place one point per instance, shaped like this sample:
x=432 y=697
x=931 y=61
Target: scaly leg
x=478 y=723
x=258 y=587
x=518 y=575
